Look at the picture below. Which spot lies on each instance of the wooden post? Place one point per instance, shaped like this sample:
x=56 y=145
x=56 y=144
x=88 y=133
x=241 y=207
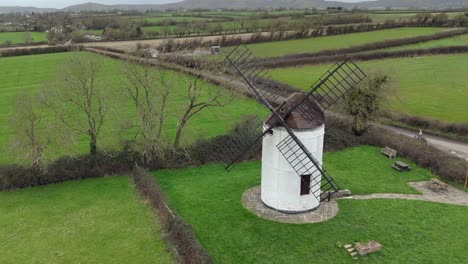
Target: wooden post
x=466 y=180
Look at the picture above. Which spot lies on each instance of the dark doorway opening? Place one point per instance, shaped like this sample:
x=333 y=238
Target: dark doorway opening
x=305 y=184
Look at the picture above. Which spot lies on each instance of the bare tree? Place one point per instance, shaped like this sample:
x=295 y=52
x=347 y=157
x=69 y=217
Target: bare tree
x=30 y=141
x=149 y=89
x=200 y=97
x=78 y=99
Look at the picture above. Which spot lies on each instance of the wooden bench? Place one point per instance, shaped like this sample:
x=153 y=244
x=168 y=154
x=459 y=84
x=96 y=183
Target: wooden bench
x=390 y=153
x=437 y=185
x=401 y=166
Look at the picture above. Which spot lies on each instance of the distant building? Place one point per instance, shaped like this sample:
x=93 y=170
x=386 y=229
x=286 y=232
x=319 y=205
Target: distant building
x=215 y=50
x=93 y=37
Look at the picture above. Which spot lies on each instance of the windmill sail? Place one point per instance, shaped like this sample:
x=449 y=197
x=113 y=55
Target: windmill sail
x=304 y=163
x=247 y=65
x=332 y=86
x=244 y=139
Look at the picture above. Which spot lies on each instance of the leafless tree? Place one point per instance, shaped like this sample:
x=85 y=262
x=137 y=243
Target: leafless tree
x=200 y=97
x=149 y=89
x=29 y=140
x=78 y=99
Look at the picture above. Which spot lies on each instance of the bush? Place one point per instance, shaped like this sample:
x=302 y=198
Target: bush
x=180 y=234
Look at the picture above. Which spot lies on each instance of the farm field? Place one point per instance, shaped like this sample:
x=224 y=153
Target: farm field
x=18 y=37
x=152 y=19
x=310 y=45
x=29 y=73
x=231 y=234
x=461 y=40
x=435 y=86
x=89 y=221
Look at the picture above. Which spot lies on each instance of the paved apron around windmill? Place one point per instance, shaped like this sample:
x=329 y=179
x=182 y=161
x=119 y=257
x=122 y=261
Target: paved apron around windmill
x=328 y=210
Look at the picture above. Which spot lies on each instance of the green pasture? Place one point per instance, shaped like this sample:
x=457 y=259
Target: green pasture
x=30 y=73
x=434 y=86
x=90 y=221
x=461 y=40
x=209 y=199
x=310 y=45
x=19 y=37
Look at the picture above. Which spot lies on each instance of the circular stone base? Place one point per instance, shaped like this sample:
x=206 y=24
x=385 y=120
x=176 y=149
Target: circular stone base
x=252 y=202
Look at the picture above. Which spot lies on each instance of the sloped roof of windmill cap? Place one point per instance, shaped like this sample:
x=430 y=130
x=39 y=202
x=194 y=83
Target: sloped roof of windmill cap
x=297 y=120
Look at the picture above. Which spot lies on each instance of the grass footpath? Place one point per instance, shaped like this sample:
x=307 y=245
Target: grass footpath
x=29 y=73
x=311 y=45
x=90 y=221
x=411 y=231
x=434 y=86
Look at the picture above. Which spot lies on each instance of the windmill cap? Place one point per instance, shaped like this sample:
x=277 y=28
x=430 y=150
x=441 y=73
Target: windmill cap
x=307 y=116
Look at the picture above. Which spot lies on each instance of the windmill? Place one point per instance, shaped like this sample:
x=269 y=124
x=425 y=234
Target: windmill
x=292 y=136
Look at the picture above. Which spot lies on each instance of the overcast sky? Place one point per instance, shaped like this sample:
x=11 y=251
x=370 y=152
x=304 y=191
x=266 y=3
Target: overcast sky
x=65 y=3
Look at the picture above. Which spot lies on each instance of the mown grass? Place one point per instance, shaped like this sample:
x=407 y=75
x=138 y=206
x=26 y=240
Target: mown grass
x=309 y=45
x=29 y=73
x=410 y=231
x=90 y=221
x=18 y=37
x=434 y=86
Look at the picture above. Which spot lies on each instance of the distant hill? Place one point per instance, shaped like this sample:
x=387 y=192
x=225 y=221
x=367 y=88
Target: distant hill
x=24 y=9
x=251 y=4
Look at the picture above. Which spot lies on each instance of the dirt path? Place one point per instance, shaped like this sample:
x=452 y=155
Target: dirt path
x=452 y=196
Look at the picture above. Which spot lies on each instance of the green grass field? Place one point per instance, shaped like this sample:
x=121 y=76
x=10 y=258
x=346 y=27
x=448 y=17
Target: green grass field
x=90 y=221
x=18 y=37
x=411 y=231
x=281 y=48
x=28 y=73
x=461 y=40
x=434 y=87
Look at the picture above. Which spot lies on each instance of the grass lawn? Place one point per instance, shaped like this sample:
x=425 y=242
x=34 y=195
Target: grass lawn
x=410 y=231
x=28 y=73
x=89 y=221
x=309 y=45
x=18 y=37
x=433 y=86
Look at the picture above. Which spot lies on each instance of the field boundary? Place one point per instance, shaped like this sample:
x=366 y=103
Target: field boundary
x=373 y=46
x=282 y=63
x=179 y=234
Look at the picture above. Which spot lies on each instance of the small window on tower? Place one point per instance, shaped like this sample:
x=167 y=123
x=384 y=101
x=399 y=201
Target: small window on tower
x=305 y=184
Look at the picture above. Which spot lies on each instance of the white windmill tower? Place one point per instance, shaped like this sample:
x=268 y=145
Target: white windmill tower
x=293 y=178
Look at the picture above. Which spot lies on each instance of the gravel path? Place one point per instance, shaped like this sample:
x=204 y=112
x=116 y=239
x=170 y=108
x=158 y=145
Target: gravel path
x=452 y=196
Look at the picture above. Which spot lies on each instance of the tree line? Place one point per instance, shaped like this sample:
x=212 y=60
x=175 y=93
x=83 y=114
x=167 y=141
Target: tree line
x=77 y=105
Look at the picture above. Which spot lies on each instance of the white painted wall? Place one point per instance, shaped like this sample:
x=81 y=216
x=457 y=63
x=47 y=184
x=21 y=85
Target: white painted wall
x=281 y=185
